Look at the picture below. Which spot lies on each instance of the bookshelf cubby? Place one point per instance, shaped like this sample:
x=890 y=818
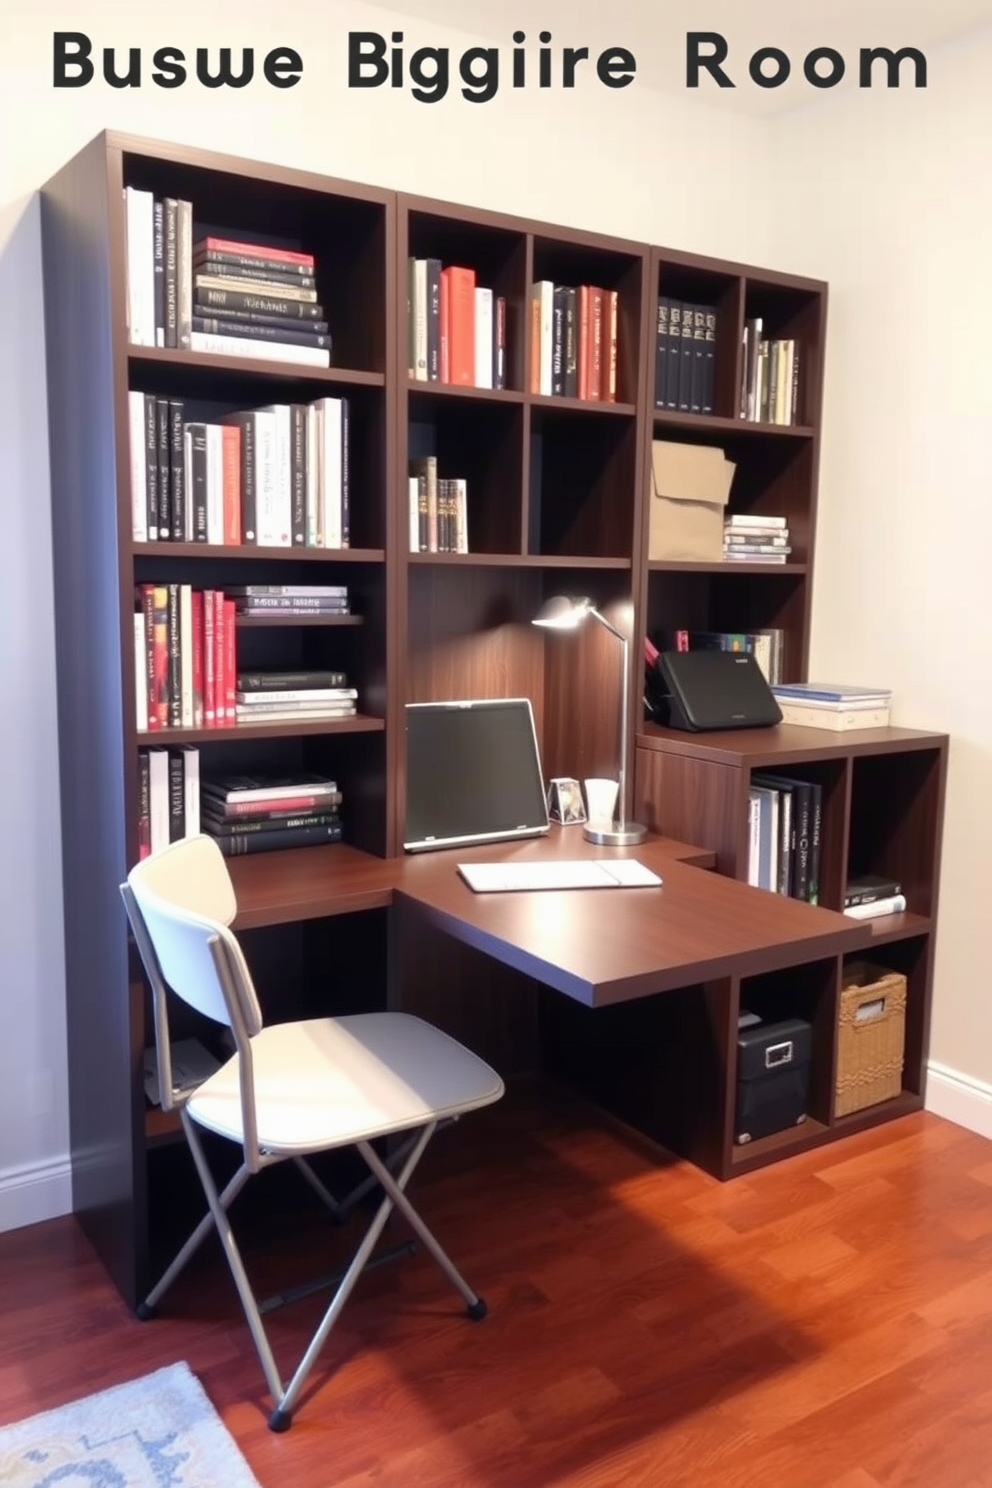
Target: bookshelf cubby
x=556 y=502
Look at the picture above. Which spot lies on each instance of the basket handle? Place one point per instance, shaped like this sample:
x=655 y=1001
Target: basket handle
x=872 y=1009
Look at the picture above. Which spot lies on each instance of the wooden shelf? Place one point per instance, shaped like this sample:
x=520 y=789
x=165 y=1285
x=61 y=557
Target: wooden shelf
x=475 y=394
x=254 y=367
x=558 y=404
x=517 y=560
x=275 y=620
x=284 y=729
x=757 y=1154
x=254 y=554
x=714 y=424
x=661 y=565
x=785 y=744
x=895 y=927
x=305 y=883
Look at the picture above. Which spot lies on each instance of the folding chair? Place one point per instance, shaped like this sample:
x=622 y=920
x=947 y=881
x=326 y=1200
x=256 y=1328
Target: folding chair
x=292 y=1089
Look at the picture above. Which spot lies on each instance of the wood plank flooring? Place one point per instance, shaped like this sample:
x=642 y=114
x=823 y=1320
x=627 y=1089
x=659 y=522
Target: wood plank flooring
x=826 y=1323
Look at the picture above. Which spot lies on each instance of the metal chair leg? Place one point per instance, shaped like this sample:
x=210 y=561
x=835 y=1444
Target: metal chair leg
x=146 y=1309
x=281 y=1417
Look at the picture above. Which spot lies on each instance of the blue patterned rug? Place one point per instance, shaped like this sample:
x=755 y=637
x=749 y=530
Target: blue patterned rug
x=159 y=1431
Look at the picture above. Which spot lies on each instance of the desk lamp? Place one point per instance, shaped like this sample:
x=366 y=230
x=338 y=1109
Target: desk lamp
x=562 y=613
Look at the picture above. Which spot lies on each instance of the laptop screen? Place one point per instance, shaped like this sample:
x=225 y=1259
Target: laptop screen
x=473 y=773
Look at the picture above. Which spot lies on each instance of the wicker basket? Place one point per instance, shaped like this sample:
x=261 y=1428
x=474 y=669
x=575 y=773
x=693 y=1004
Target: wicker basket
x=872 y=1037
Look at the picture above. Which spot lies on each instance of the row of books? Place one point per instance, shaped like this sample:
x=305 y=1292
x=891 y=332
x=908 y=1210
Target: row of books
x=275 y=477
x=767 y=646
x=784 y=832
x=769 y=392
x=456 y=327
x=185 y=656
x=755 y=539
x=685 y=356
x=573 y=341
x=438 y=509
x=243 y=814
x=233 y=297
x=837 y=707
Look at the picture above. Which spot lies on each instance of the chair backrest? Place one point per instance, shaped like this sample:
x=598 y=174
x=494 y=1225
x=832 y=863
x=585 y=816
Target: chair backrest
x=186 y=900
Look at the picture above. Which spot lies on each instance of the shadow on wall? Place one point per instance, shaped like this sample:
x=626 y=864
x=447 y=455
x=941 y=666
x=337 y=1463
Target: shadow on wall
x=33 y=1083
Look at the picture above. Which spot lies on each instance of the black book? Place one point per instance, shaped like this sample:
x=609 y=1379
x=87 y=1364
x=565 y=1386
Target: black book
x=433 y=319
x=264 y=304
x=197 y=435
x=163 y=440
x=291 y=336
x=674 y=354
x=214 y=261
x=177 y=796
x=309 y=836
x=177 y=469
x=289 y=681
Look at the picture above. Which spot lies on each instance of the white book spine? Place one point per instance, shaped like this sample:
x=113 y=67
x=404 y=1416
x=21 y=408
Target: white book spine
x=140 y=238
x=184 y=274
x=158 y=798
x=420 y=319
x=331 y=467
x=266 y=351
x=139 y=488
x=191 y=790
x=188 y=533
x=313 y=478
x=140 y=672
x=547 y=335
x=484 y=338
x=461 y=515
x=265 y=481
x=215 y=485
x=284 y=475
x=413 y=497
x=895 y=904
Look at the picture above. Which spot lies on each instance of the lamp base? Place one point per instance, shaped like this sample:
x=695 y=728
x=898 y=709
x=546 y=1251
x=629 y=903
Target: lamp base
x=616 y=836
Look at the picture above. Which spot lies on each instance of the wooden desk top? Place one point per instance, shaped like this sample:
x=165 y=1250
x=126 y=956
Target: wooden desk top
x=596 y=945
x=278 y=888
x=609 y=945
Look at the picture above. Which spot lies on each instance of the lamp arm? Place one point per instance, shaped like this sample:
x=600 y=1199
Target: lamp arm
x=624 y=706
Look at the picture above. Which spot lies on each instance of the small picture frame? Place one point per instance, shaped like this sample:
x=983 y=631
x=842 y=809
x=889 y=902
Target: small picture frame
x=565 y=803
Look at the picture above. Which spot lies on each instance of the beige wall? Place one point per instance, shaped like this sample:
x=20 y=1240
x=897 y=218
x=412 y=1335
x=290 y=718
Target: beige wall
x=629 y=163
x=898 y=219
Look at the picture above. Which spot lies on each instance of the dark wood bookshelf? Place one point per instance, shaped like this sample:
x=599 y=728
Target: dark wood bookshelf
x=557 y=502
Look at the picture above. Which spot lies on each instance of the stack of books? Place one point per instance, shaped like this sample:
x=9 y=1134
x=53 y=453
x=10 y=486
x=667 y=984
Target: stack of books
x=284 y=697
x=250 y=299
x=872 y=896
x=835 y=706
x=262 y=813
x=757 y=539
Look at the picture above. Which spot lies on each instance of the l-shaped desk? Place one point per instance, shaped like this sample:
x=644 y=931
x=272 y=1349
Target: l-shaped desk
x=699 y=931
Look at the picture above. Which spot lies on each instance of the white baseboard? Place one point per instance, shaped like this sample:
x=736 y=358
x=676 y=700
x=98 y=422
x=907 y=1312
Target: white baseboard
x=35 y=1192
x=959 y=1098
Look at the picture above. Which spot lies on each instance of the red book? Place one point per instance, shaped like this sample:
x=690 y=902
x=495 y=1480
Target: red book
x=220 y=706
x=444 y=368
x=230 y=662
x=253 y=250
x=198 y=694
x=610 y=345
x=209 y=653
x=595 y=344
x=461 y=325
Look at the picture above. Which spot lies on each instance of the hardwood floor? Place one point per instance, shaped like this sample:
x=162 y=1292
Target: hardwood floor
x=826 y=1323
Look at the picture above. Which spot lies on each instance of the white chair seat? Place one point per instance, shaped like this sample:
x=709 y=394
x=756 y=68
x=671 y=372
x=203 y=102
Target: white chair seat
x=328 y=1082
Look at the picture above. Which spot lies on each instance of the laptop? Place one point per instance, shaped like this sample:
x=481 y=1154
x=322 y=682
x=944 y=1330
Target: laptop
x=473 y=773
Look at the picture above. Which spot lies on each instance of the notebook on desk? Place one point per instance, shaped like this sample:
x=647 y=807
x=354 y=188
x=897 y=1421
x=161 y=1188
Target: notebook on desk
x=560 y=873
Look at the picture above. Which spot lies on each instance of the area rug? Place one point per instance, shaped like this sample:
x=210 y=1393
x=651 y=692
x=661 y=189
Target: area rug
x=159 y=1431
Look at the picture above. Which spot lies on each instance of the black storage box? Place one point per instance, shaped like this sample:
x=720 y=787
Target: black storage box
x=772 y=1077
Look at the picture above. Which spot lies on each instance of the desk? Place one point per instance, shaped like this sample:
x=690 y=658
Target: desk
x=698 y=939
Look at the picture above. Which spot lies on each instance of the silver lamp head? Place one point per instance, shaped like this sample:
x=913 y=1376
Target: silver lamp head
x=562 y=613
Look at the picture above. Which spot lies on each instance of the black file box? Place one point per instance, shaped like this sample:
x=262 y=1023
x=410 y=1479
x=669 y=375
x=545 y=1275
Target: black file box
x=772 y=1077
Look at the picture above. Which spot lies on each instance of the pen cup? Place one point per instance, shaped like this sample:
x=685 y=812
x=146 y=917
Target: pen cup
x=601 y=800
